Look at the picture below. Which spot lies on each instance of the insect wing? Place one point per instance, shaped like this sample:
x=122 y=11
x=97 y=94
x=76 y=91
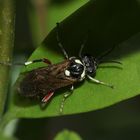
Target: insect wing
x=40 y=81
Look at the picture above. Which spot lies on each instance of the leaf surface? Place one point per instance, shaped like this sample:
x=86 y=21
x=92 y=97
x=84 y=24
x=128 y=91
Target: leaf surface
x=111 y=23
x=67 y=135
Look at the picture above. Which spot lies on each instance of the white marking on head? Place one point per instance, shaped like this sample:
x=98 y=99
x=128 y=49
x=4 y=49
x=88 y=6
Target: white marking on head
x=67 y=72
x=78 y=61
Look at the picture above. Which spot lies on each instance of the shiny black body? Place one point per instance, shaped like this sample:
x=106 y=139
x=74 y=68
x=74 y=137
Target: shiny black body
x=40 y=81
x=76 y=69
x=91 y=64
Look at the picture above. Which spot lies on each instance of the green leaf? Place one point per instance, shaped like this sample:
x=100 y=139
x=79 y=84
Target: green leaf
x=110 y=23
x=67 y=135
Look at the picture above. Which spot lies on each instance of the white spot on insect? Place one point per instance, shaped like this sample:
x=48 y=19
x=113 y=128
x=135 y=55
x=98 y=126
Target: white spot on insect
x=78 y=61
x=83 y=75
x=29 y=62
x=67 y=72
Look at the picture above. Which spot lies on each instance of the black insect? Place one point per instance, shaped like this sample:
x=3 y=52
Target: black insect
x=45 y=81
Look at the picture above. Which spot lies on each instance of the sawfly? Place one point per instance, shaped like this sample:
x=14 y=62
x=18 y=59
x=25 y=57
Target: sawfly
x=43 y=82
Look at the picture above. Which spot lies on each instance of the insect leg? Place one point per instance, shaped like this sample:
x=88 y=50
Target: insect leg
x=27 y=63
x=65 y=96
x=99 y=82
x=47 y=97
x=59 y=42
x=38 y=60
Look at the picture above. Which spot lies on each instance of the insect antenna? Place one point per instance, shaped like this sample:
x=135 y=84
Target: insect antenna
x=59 y=42
x=110 y=61
x=100 y=58
x=83 y=45
x=105 y=53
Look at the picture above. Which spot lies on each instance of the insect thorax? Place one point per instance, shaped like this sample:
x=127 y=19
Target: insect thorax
x=76 y=69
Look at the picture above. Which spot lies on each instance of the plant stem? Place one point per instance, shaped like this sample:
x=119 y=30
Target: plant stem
x=7 y=19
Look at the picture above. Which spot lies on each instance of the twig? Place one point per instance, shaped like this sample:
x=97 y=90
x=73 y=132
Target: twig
x=7 y=18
